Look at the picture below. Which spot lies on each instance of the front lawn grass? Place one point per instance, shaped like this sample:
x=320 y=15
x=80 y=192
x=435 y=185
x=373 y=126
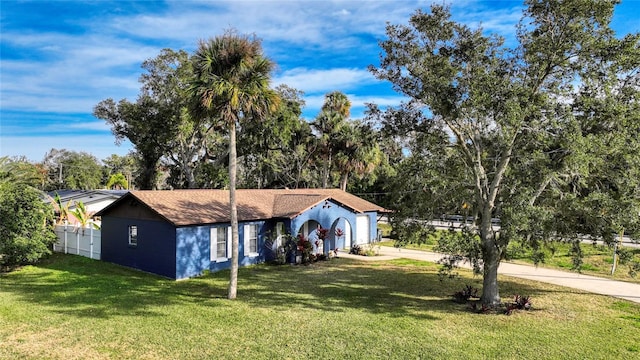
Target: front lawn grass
x=70 y=307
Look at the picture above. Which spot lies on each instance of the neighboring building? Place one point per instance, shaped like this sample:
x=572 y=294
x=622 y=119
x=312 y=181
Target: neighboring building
x=93 y=200
x=182 y=233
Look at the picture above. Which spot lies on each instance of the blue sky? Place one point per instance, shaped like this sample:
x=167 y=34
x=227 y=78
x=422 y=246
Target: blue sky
x=60 y=58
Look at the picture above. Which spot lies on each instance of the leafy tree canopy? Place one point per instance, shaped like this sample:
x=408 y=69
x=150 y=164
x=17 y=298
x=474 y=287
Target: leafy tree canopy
x=72 y=170
x=537 y=135
x=26 y=234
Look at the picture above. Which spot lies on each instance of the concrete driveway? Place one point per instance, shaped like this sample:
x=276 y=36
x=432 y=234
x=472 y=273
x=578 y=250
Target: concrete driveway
x=596 y=285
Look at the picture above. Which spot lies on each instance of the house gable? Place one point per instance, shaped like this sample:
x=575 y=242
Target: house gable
x=131 y=208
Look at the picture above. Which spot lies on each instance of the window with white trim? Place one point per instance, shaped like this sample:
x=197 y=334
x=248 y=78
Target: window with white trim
x=220 y=244
x=251 y=240
x=133 y=235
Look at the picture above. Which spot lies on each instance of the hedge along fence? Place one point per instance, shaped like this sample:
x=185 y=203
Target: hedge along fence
x=77 y=240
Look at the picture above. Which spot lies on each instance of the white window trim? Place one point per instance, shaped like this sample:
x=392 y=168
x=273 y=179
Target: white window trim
x=130 y=237
x=247 y=239
x=213 y=246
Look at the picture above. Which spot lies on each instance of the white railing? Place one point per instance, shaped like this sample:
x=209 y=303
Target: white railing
x=76 y=240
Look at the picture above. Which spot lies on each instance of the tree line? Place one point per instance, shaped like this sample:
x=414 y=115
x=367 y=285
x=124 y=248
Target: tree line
x=179 y=146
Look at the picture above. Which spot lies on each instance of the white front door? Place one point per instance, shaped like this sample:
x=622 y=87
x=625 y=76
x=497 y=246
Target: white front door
x=347 y=235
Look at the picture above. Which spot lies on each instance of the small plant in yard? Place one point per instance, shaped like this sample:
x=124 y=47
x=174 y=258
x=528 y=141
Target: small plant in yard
x=634 y=268
x=322 y=235
x=281 y=255
x=519 y=303
x=304 y=248
x=482 y=309
x=373 y=249
x=465 y=294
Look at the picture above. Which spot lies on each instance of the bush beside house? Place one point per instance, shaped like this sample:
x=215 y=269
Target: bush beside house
x=26 y=232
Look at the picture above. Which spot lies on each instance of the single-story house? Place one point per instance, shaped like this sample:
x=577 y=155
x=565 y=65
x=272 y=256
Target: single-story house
x=182 y=233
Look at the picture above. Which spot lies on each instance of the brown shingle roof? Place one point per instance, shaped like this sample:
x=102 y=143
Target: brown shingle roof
x=189 y=207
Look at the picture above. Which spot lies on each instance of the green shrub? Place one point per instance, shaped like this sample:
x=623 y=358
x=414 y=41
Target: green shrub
x=26 y=232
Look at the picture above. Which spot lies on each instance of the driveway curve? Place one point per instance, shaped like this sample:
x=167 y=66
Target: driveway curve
x=593 y=284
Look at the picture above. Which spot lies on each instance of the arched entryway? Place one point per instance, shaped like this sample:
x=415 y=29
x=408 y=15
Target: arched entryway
x=341 y=234
x=310 y=232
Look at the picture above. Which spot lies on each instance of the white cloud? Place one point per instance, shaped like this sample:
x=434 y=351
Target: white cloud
x=342 y=12
x=316 y=80
x=75 y=78
x=91 y=125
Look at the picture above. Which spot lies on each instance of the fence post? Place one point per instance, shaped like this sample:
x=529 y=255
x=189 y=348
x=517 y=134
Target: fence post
x=65 y=236
x=78 y=240
x=91 y=239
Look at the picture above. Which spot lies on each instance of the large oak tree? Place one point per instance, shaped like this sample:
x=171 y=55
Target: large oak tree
x=531 y=133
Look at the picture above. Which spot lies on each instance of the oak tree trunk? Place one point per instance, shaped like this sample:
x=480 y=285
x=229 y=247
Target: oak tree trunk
x=491 y=261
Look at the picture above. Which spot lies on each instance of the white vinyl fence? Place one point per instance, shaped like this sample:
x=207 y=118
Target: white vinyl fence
x=79 y=241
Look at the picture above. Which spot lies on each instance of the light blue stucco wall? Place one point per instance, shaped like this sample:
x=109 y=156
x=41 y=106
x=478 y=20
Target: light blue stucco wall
x=326 y=214
x=193 y=246
x=193 y=243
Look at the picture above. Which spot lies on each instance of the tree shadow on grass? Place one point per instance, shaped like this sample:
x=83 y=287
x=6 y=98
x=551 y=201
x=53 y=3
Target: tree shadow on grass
x=81 y=287
x=75 y=285
x=397 y=290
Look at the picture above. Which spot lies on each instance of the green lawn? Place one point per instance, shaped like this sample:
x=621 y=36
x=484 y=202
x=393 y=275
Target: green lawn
x=76 y=308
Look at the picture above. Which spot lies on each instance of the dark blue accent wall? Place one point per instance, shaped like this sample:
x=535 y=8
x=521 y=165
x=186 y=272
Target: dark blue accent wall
x=156 y=249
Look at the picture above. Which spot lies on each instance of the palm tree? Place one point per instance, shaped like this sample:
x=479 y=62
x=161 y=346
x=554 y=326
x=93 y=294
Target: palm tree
x=20 y=171
x=82 y=217
x=61 y=209
x=117 y=181
x=357 y=151
x=231 y=83
x=332 y=117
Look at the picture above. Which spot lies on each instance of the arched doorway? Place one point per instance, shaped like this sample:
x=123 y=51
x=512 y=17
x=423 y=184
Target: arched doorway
x=340 y=234
x=309 y=231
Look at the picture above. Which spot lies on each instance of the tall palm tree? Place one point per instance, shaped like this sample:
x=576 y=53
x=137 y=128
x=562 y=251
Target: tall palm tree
x=357 y=151
x=333 y=115
x=231 y=83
